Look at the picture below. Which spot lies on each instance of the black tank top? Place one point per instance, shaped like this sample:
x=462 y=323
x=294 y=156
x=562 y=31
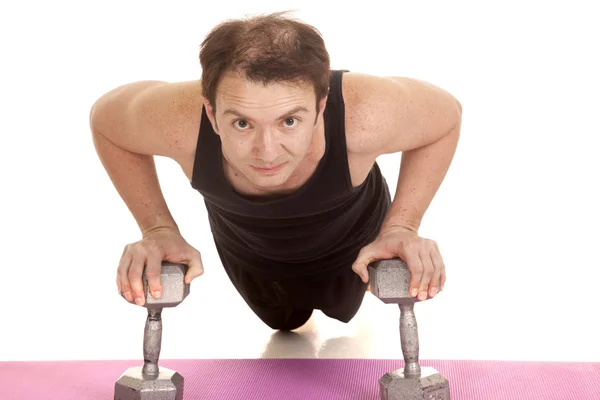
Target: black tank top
x=314 y=232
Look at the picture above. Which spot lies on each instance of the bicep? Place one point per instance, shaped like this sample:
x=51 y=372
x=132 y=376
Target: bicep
x=397 y=114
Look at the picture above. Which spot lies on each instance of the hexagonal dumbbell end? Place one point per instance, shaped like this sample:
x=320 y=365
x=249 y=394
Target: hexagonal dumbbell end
x=174 y=288
x=390 y=281
x=430 y=385
x=135 y=385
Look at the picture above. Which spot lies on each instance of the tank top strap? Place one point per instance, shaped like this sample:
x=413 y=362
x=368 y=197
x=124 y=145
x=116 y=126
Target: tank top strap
x=338 y=175
x=207 y=176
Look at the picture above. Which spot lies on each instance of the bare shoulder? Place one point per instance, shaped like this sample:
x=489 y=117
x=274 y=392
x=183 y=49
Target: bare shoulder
x=387 y=114
x=151 y=117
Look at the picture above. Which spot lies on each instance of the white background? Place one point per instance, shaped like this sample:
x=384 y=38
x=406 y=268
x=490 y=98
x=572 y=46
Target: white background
x=516 y=218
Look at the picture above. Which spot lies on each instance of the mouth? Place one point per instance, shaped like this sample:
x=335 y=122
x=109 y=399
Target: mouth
x=269 y=170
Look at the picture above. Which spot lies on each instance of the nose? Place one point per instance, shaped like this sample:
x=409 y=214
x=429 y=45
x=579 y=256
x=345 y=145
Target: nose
x=266 y=146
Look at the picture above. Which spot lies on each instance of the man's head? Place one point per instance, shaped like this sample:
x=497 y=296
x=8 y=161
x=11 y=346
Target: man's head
x=265 y=82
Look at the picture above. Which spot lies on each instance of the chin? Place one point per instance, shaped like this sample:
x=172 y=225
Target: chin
x=269 y=180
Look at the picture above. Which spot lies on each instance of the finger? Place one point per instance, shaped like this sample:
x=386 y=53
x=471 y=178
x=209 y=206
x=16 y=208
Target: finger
x=443 y=278
x=196 y=268
x=442 y=269
x=122 y=272
x=136 y=270
x=428 y=269
x=438 y=265
x=121 y=261
x=365 y=257
x=118 y=280
x=153 y=272
x=415 y=267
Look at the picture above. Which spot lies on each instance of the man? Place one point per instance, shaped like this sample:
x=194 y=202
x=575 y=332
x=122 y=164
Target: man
x=283 y=151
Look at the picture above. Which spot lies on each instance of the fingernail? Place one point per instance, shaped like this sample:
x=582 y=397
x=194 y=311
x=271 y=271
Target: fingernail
x=414 y=292
x=422 y=295
x=128 y=296
x=139 y=301
x=156 y=294
x=433 y=291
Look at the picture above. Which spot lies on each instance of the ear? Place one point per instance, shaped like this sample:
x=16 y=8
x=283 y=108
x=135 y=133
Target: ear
x=322 y=105
x=210 y=112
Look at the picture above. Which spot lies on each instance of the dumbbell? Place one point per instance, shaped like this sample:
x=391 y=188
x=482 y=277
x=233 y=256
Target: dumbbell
x=151 y=382
x=390 y=281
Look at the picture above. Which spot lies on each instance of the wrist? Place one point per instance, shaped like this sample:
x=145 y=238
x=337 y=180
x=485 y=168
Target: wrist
x=159 y=226
x=396 y=224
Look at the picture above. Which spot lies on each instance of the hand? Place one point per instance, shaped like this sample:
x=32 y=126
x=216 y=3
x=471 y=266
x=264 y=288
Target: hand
x=422 y=256
x=164 y=244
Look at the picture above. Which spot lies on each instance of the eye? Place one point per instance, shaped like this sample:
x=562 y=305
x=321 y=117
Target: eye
x=240 y=124
x=289 y=122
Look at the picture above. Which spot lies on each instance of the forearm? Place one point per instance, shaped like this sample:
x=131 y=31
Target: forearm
x=135 y=179
x=422 y=171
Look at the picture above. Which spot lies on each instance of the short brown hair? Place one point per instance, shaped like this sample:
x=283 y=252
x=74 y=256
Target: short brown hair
x=268 y=48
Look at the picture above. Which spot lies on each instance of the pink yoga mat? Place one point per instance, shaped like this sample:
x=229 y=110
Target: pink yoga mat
x=303 y=379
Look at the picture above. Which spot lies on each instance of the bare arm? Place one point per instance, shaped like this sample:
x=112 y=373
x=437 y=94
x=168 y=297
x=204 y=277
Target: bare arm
x=420 y=120
x=423 y=122
x=130 y=125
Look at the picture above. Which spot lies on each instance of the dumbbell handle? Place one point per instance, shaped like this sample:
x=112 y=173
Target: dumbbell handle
x=409 y=339
x=152 y=342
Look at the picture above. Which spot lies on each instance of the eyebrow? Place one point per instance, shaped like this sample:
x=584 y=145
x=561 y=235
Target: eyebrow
x=294 y=110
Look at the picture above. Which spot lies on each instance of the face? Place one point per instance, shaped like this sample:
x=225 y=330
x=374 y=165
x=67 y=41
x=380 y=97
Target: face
x=265 y=131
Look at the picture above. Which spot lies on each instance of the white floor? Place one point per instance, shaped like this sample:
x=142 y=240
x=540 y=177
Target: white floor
x=323 y=337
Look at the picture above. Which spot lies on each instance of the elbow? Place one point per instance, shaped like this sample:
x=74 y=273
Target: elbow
x=91 y=117
x=458 y=120
x=94 y=118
